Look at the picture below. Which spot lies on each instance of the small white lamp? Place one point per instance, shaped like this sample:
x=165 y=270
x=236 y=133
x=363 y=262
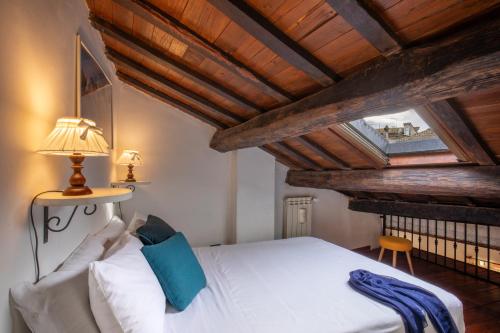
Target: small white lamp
x=130 y=158
x=76 y=138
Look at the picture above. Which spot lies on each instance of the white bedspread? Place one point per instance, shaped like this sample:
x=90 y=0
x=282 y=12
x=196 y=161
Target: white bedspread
x=294 y=285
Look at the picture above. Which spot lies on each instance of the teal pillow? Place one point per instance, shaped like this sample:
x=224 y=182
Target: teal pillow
x=154 y=231
x=177 y=269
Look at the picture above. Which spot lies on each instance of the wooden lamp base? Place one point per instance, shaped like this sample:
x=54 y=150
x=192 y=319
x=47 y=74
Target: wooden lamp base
x=130 y=175
x=77 y=180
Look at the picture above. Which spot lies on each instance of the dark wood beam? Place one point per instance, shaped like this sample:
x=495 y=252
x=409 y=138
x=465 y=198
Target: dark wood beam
x=295 y=155
x=368 y=24
x=323 y=153
x=285 y=154
x=483 y=215
x=475 y=181
x=169 y=100
x=198 y=43
x=462 y=62
x=351 y=137
x=452 y=128
x=264 y=31
x=131 y=65
x=161 y=58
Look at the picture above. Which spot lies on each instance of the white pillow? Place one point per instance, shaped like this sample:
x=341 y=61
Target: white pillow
x=112 y=231
x=125 y=295
x=90 y=249
x=137 y=221
x=59 y=303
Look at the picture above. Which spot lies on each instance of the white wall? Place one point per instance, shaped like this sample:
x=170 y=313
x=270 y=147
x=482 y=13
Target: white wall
x=37 y=86
x=331 y=219
x=191 y=182
x=254 y=195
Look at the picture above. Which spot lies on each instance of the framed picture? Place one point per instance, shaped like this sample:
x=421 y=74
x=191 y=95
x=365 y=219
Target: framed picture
x=94 y=92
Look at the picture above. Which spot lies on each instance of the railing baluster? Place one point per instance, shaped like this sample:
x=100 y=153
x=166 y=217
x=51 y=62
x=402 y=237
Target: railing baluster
x=465 y=248
x=445 y=242
x=383 y=224
x=455 y=246
x=405 y=226
x=428 y=233
x=419 y=238
x=435 y=241
x=476 y=249
x=391 y=224
x=398 y=225
x=488 y=251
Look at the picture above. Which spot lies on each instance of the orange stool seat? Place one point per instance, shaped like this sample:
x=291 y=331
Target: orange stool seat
x=396 y=244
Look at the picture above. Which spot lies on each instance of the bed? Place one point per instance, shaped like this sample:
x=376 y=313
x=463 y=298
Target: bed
x=292 y=285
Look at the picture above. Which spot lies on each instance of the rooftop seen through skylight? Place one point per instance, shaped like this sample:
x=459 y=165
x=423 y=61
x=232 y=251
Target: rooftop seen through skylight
x=400 y=133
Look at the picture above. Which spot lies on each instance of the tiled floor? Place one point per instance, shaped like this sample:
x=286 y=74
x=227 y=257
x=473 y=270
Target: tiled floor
x=481 y=299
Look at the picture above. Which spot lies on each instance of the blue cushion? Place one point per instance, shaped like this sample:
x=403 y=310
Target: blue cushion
x=154 y=231
x=177 y=269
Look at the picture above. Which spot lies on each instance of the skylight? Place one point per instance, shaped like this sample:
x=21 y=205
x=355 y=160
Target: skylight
x=400 y=133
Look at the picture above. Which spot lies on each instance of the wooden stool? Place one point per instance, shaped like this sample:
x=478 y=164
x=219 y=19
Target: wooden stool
x=396 y=244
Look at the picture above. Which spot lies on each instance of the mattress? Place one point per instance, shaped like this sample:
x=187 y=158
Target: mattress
x=292 y=285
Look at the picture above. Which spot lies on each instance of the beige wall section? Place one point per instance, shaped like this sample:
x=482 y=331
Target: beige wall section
x=37 y=86
x=254 y=195
x=331 y=219
x=191 y=183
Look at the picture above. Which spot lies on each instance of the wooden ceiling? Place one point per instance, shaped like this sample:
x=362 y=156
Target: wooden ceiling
x=226 y=62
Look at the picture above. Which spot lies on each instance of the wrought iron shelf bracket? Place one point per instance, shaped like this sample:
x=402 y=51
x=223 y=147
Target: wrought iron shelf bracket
x=56 y=220
x=89 y=202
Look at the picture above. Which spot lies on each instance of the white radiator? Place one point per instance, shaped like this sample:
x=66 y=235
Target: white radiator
x=297 y=216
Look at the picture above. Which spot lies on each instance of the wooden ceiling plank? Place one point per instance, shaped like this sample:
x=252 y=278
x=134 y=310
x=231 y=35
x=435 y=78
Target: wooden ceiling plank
x=280 y=157
x=470 y=181
x=294 y=154
x=465 y=61
x=169 y=100
x=130 y=64
x=161 y=58
x=368 y=24
x=456 y=213
x=178 y=30
x=318 y=150
x=276 y=40
x=459 y=138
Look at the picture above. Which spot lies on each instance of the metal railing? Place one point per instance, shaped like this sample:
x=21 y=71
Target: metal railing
x=470 y=248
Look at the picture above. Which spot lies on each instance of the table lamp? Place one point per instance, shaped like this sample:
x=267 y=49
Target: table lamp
x=130 y=158
x=76 y=138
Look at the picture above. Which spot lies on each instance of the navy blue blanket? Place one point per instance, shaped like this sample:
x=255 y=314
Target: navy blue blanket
x=410 y=301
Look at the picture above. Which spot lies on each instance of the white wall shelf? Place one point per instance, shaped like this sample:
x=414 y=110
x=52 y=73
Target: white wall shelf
x=56 y=199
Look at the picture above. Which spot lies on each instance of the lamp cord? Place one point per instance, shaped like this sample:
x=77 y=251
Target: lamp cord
x=34 y=247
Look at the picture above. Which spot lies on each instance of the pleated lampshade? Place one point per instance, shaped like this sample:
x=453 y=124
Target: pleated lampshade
x=75 y=136
x=130 y=157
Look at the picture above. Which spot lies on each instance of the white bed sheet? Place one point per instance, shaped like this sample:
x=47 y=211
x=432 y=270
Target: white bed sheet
x=293 y=285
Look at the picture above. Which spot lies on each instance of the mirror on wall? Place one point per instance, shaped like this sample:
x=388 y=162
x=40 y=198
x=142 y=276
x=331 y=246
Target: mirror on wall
x=94 y=92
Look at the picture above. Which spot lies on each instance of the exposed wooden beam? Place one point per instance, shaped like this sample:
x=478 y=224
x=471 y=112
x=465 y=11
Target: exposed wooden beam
x=368 y=24
x=169 y=100
x=161 y=58
x=134 y=66
x=198 y=43
x=294 y=154
x=455 y=213
x=318 y=150
x=361 y=144
x=475 y=181
x=280 y=157
x=450 y=126
x=465 y=61
x=278 y=154
x=264 y=31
